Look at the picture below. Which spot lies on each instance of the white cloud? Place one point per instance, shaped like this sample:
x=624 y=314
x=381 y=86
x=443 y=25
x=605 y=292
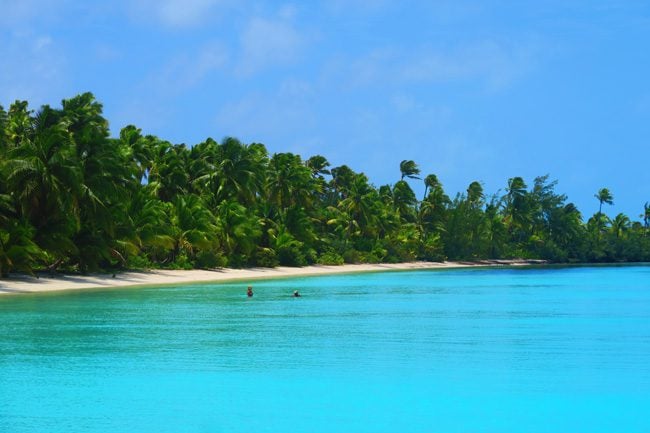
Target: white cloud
x=177 y=13
x=19 y=13
x=188 y=69
x=491 y=64
x=268 y=43
x=283 y=118
x=496 y=65
x=33 y=69
x=346 y=6
x=107 y=53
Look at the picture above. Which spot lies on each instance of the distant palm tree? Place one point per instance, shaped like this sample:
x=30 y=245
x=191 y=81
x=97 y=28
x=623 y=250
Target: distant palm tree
x=604 y=196
x=318 y=165
x=475 y=193
x=409 y=169
x=430 y=182
x=620 y=225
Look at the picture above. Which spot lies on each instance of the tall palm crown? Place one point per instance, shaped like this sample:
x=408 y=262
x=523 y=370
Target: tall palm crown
x=409 y=169
x=604 y=196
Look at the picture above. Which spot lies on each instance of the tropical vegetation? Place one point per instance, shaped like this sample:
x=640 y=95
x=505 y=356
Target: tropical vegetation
x=74 y=198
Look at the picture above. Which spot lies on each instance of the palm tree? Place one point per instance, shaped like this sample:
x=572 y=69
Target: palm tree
x=4 y=137
x=517 y=210
x=604 y=196
x=342 y=177
x=318 y=165
x=430 y=182
x=45 y=180
x=475 y=194
x=193 y=225
x=239 y=231
x=17 y=249
x=409 y=169
x=18 y=124
x=359 y=205
x=620 y=224
x=169 y=172
x=239 y=173
x=149 y=223
x=289 y=182
x=404 y=200
x=140 y=151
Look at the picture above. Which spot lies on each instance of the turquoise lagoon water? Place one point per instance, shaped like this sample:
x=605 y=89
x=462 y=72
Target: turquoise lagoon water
x=478 y=350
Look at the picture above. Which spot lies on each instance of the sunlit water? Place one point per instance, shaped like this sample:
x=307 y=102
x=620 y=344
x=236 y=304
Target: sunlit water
x=494 y=350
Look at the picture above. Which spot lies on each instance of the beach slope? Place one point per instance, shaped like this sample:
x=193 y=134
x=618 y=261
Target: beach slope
x=30 y=284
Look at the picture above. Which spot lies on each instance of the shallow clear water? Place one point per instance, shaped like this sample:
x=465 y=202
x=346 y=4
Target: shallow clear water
x=478 y=350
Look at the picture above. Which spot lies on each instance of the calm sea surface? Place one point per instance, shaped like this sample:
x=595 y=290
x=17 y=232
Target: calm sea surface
x=479 y=350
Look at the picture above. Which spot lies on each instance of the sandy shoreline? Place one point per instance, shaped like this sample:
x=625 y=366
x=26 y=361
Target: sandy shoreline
x=29 y=284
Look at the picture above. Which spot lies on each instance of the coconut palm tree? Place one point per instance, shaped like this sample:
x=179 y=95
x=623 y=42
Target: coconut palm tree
x=238 y=231
x=604 y=196
x=318 y=165
x=475 y=194
x=404 y=200
x=620 y=224
x=289 y=182
x=430 y=182
x=4 y=136
x=240 y=170
x=409 y=169
x=45 y=180
x=193 y=225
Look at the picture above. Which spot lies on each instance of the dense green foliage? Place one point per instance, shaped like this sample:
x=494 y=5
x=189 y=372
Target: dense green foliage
x=73 y=197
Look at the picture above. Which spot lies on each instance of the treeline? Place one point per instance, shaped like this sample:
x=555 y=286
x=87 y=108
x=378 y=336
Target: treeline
x=73 y=198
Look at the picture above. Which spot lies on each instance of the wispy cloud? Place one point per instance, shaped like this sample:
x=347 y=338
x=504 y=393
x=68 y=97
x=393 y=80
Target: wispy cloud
x=345 y=6
x=284 y=117
x=491 y=64
x=33 y=69
x=17 y=14
x=187 y=70
x=152 y=103
x=495 y=64
x=177 y=13
x=269 y=42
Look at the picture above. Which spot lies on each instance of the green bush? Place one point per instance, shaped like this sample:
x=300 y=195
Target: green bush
x=210 y=260
x=181 y=262
x=139 y=262
x=291 y=255
x=352 y=256
x=330 y=258
x=266 y=258
x=370 y=257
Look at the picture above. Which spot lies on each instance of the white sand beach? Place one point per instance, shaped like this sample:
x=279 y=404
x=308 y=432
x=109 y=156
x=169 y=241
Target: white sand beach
x=30 y=284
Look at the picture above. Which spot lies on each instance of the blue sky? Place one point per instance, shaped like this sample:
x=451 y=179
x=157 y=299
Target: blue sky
x=470 y=90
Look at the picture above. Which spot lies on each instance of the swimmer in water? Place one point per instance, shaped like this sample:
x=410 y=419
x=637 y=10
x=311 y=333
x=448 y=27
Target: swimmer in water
x=250 y=291
x=296 y=294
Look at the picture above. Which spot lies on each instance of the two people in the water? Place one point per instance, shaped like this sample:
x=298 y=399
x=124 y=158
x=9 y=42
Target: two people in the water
x=249 y=292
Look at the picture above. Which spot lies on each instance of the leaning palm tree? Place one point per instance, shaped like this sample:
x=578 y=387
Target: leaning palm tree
x=409 y=169
x=475 y=193
x=604 y=196
x=430 y=182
